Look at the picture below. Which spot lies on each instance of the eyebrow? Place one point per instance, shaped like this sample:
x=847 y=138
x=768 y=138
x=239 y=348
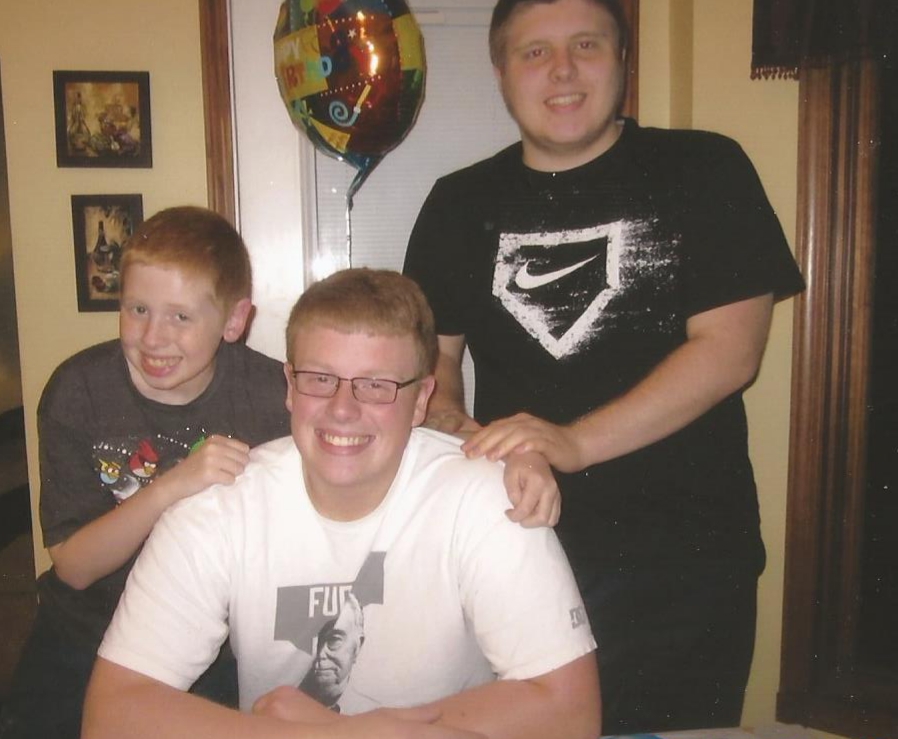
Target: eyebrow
x=382 y=375
x=579 y=36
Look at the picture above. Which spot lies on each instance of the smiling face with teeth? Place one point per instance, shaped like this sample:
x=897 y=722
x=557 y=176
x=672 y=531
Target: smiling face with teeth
x=171 y=326
x=350 y=450
x=562 y=79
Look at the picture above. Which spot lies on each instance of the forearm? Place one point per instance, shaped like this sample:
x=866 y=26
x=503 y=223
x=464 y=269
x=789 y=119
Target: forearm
x=108 y=542
x=720 y=356
x=105 y=544
x=446 y=410
x=449 y=394
x=687 y=384
x=565 y=704
x=122 y=704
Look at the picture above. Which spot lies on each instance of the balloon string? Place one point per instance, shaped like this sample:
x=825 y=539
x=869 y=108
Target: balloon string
x=349 y=230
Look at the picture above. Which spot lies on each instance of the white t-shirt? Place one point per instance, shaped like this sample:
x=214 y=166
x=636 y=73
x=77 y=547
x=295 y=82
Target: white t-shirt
x=452 y=594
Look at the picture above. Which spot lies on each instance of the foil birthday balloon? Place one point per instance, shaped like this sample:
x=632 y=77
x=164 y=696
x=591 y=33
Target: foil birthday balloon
x=351 y=73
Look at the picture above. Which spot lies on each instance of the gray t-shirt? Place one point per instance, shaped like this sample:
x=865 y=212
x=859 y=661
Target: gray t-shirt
x=101 y=441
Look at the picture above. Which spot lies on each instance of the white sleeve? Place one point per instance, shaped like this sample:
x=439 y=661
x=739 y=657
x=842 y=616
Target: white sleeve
x=518 y=592
x=172 y=617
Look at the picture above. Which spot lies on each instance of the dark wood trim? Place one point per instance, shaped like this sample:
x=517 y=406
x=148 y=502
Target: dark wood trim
x=821 y=683
x=631 y=98
x=216 y=63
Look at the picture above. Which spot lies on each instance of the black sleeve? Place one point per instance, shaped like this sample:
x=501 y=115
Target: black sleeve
x=433 y=254
x=70 y=494
x=734 y=244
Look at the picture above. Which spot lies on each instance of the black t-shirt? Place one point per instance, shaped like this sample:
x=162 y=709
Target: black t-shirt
x=101 y=440
x=570 y=287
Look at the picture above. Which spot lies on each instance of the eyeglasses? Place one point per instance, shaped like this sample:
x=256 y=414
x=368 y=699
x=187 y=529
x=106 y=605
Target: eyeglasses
x=364 y=389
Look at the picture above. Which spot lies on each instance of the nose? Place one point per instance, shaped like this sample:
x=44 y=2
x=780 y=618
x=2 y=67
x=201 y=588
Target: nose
x=154 y=333
x=343 y=404
x=563 y=65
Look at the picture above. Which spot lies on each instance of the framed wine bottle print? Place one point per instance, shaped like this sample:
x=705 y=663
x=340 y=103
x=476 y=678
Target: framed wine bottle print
x=101 y=224
x=102 y=119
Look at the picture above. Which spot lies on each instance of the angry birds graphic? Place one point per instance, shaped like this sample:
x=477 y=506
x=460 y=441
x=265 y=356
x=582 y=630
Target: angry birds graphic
x=122 y=485
x=124 y=464
x=144 y=461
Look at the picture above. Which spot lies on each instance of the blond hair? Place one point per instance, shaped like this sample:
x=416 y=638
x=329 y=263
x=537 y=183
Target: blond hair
x=371 y=301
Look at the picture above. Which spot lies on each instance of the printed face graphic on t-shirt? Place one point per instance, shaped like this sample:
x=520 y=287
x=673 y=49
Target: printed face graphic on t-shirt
x=304 y=610
x=338 y=645
x=326 y=621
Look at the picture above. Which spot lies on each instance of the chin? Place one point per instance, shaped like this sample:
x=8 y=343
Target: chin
x=170 y=382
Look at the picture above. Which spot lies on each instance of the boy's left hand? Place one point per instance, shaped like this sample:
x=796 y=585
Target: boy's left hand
x=532 y=490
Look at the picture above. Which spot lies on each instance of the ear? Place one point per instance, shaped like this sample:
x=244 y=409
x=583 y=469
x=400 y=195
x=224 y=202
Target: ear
x=425 y=390
x=288 y=373
x=237 y=320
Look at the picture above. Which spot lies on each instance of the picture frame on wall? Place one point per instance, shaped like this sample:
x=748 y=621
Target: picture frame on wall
x=101 y=224
x=102 y=119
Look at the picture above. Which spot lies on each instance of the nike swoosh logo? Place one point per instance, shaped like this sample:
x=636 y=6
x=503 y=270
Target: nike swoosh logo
x=526 y=281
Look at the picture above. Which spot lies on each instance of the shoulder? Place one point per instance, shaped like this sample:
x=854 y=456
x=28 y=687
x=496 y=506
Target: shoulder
x=272 y=466
x=676 y=140
x=685 y=150
x=239 y=358
x=436 y=449
x=269 y=473
x=271 y=455
x=96 y=369
x=440 y=468
x=456 y=212
x=255 y=386
x=89 y=362
x=481 y=174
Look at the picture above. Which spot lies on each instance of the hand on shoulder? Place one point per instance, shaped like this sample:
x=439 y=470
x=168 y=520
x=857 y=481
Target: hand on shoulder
x=451 y=421
x=532 y=490
x=525 y=433
x=216 y=461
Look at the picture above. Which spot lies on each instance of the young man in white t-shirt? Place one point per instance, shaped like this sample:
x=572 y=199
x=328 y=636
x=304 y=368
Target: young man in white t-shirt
x=472 y=624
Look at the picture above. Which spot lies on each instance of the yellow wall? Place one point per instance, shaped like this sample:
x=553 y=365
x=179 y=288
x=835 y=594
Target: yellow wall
x=37 y=37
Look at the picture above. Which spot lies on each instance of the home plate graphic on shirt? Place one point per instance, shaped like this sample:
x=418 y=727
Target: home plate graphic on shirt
x=555 y=283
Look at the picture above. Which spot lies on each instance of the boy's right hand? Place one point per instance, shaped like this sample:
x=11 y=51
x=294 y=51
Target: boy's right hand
x=217 y=461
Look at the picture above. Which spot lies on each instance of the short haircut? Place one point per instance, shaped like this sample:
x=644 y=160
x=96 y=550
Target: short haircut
x=369 y=301
x=505 y=9
x=197 y=241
